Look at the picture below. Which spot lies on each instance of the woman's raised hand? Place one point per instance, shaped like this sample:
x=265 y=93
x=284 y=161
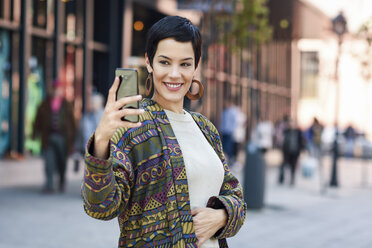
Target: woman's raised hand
x=112 y=119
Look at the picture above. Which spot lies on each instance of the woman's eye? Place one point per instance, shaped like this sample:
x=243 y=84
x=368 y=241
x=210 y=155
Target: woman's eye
x=185 y=64
x=164 y=62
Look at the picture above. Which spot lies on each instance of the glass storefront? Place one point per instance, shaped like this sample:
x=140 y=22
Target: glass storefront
x=51 y=42
x=81 y=43
x=5 y=87
x=35 y=91
x=40 y=68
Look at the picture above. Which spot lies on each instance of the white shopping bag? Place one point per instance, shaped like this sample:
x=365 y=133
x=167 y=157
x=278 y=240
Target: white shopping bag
x=308 y=166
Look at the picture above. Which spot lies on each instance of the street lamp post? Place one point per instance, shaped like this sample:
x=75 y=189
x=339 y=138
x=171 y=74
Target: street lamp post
x=339 y=27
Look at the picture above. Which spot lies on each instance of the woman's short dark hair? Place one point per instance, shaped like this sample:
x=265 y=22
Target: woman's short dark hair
x=179 y=28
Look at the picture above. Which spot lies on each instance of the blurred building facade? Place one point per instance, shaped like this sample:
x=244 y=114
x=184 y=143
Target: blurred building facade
x=78 y=42
x=81 y=42
x=319 y=89
x=257 y=78
x=299 y=22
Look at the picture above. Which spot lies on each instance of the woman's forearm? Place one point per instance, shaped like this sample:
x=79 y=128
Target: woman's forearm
x=101 y=147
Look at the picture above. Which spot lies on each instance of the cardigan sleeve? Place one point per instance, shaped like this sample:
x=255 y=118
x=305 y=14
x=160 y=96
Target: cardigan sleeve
x=107 y=183
x=231 y=194
x=230 y=199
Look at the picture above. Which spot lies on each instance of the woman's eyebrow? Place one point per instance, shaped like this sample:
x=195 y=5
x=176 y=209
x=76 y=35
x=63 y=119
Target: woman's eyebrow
x=163 y=56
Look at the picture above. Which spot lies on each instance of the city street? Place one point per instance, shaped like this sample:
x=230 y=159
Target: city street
x=295 y=75
x=305 y=215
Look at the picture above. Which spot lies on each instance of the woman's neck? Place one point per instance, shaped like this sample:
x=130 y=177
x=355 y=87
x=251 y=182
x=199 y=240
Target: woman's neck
x=174 y=107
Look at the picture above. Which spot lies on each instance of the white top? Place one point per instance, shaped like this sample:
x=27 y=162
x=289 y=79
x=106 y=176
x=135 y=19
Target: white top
x=239 y=132
x=263 y=135
x=204 y=168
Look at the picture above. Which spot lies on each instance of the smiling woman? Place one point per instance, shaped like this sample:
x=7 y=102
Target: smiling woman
x=166 y=177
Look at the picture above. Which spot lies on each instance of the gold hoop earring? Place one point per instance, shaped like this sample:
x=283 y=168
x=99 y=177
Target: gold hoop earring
x=198 y=95
x=148 y=85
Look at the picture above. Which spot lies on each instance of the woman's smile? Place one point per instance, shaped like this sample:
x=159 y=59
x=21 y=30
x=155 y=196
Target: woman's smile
x=173 y=86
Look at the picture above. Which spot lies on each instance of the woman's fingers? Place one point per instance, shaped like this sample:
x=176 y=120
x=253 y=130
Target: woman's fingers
x=129 y=124
x=129 y=111
x=207 y=222
x=127 y=100
x=112 y=92
x=119 y=103
x=112 y=116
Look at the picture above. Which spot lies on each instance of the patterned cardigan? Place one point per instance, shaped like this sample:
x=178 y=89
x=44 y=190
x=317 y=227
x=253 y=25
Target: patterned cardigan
x=144 y=184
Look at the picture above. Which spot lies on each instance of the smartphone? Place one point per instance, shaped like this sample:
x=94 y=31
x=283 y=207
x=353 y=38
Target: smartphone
x=128 y=87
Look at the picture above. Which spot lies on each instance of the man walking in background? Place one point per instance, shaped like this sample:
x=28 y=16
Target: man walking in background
x=292 y=146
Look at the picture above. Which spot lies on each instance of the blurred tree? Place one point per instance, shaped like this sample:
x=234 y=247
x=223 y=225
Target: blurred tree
x=248 y=23
x=241 y=27
x=365 y=32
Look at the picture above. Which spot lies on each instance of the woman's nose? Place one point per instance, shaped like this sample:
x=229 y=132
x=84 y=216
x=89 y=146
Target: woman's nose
x=175 y=72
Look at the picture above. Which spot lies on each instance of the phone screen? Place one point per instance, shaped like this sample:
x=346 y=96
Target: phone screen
x=128 y=87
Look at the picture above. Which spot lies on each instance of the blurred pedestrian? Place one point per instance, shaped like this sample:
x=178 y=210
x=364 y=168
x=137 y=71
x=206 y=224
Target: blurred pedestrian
x=350 y=135
x=165 y=177
x=56 y=125
x=292 y=145
x=88 y=124
x=229 y=124
x=89 y=121
x=314 y=139
x=263 y=135
x=280 y=127
x=239 y=135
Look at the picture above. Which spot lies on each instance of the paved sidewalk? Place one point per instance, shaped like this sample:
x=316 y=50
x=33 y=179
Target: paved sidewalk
x=311 y=214
x=299 y=217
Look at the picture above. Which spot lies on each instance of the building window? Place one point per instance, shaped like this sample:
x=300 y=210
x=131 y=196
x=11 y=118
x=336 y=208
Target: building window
x=36 y=91
x=71 y=67
x=70 y=18
x=309 y=74
x=101 y=21
x=1 y=9
x=100 y=71
x=10 y=10
x=143 y=19
x=39 y=17
x=43 y=14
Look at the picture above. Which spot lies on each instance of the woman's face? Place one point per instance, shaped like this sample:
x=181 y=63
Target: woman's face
x=173 y=69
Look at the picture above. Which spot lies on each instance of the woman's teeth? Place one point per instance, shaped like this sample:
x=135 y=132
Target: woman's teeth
x=173 y=85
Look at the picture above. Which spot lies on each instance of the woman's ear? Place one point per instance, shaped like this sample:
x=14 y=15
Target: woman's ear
x=196 y=69
x=148 y=65
x=198 y=64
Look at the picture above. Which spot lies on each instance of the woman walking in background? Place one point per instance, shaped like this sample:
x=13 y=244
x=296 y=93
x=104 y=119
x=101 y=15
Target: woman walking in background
x=55 y=124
